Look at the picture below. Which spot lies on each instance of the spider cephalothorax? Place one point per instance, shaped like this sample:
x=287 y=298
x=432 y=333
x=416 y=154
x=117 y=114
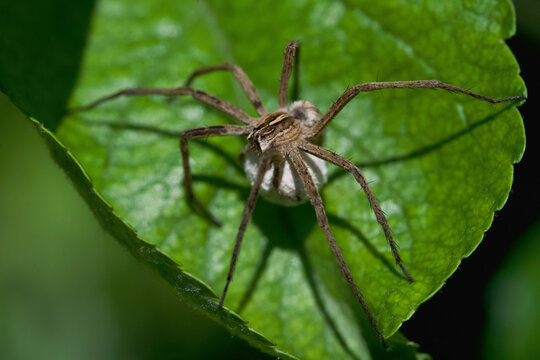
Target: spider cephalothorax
x=283 y=159
x=274 y=131
x=273 y=134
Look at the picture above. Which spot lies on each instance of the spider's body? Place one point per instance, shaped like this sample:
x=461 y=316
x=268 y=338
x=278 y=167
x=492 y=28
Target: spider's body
x=273 y=134
x=284 y=159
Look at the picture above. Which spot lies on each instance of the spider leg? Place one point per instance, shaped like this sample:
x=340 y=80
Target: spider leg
x=263 y=164
x=243 y=80
x=244 y=151
x=351 y=92
x=288 y=62
x=295 y=90
x=279 y=166
x=322 y=219
x=211 y=100
x=219 y=130
x=350 y=167
x=279 y=170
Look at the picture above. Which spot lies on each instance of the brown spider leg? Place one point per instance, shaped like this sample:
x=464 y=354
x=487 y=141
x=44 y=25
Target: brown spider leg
x=219 y=130
x=244 y=151
x=279 y=166
x=263 y=164
x=288 y=62
x=295 y=90
x=335 y=159
x=322 y=219
x=213 y=101
x=279 y=170
x=351 y=92
x=243 y=80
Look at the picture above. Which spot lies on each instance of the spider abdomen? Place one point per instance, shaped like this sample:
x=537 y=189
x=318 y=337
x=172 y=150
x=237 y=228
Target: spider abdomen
x=289 y=190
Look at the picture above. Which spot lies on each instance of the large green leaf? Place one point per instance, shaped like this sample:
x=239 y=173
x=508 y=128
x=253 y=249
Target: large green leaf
x=440 y=163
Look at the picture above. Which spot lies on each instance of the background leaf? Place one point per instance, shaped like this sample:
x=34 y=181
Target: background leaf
x=514 y=294
x=527 y=11
x=440 y=167
x=42 y=44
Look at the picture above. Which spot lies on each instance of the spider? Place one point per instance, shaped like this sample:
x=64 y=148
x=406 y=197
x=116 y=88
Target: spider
x=284 y=158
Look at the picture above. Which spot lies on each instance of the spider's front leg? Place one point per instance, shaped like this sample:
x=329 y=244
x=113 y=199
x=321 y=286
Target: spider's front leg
x=218 y=130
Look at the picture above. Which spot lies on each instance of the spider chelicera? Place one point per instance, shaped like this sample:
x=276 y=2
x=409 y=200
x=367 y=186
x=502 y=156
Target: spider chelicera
x=283 y=155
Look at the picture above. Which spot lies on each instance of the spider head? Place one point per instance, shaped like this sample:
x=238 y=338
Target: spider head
x=275 y=129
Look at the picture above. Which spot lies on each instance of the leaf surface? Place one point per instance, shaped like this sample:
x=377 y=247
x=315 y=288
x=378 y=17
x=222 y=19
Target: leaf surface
x=439 y=163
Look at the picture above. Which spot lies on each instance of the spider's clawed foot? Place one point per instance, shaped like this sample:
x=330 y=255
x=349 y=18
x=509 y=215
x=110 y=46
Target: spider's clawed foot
x=406 y=273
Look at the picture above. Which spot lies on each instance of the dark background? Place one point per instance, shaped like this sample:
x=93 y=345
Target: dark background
x=69 y=291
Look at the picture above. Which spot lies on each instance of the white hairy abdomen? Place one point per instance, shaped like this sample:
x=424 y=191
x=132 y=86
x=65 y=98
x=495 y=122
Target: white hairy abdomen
x=290 y=191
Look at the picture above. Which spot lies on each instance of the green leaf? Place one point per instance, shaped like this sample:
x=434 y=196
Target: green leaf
x=440 y=163
x=42 y=43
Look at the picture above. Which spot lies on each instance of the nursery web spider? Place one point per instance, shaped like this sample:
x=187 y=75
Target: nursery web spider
x=285 y=144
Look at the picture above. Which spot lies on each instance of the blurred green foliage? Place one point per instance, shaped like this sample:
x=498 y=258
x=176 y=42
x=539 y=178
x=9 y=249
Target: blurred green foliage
x=513 y=302
x=528 y=13
x=67 y=289
x=41 y=47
